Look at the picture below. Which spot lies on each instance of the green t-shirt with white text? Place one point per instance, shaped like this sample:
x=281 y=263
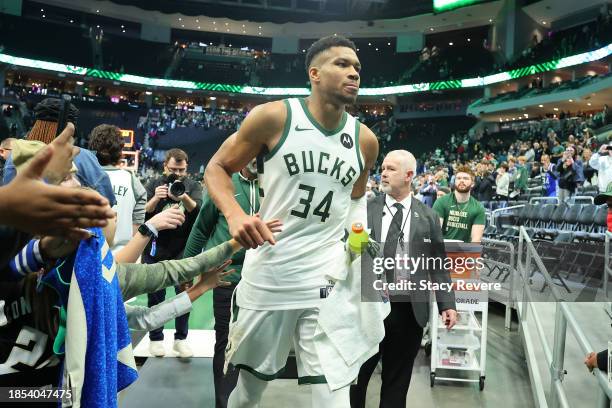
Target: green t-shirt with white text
x=459 y=217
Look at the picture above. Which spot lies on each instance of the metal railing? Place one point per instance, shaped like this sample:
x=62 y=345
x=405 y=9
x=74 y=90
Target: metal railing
x=512 y=271
x=536 y=200
x=495 y=213
x=573 y=199
x=563 y=318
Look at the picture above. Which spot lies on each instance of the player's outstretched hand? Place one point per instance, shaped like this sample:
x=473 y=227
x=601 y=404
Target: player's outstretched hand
x=34 y=207
x=250 y=231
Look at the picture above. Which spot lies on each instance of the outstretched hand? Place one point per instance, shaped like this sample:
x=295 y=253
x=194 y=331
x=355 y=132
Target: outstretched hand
x=251 y=231
x=171 y=218
x=34 y=207
x=214 y=276
x=210 y=279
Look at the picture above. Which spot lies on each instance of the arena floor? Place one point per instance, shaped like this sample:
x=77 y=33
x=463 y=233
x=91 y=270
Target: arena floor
x=172 y=382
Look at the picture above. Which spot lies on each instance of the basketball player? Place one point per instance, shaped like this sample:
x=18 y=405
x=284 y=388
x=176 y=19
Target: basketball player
x=313 y=163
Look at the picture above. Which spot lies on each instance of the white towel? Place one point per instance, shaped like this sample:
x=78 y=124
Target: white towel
x=348 y=330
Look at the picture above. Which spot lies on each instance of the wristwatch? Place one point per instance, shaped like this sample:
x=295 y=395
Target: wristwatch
x=145 y=230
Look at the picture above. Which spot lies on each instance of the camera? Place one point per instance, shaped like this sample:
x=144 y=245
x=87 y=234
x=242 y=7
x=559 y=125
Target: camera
x=175 y=186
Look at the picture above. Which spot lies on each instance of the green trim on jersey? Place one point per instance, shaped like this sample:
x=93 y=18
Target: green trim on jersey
x=286 y=130
x=261 y=376
x=312 y=379
x=317 y=125
x=357 y=148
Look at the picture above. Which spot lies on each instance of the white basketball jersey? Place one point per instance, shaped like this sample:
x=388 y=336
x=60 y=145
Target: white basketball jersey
x=305 y=181
x=121 y=181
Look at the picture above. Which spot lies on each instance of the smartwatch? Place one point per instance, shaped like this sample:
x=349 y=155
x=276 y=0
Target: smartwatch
x=147 y=231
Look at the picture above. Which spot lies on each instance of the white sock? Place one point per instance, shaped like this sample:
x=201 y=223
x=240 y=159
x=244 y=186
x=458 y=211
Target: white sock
x=323 y=396
x=248 y=391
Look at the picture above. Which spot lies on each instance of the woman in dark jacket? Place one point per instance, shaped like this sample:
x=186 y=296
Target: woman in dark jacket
x=566 y=169
x=484 y=188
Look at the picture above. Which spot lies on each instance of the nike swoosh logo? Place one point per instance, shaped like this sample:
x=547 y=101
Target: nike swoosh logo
x=236 y=195
x=299 y=129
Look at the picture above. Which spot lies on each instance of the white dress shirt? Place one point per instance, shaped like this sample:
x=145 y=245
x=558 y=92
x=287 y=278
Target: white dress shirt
x=388 y=213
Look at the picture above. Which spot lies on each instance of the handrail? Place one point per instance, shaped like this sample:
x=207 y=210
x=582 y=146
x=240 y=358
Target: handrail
x=589 y=198
x=532 y=251
x=586 y=347
x=564 y=318
x=533 y=200
x=499 y=210
x=512 y=269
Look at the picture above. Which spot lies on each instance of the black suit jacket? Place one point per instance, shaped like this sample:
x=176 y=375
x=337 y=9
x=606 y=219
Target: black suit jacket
x=424 y=225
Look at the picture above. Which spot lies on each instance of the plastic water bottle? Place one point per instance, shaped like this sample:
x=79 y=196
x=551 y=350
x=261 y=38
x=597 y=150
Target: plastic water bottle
x=358 y=239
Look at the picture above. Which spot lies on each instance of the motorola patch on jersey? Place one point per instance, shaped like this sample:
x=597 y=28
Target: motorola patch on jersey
x=346 y=140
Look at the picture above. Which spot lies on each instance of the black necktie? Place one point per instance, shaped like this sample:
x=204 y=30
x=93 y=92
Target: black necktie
x=393 y=235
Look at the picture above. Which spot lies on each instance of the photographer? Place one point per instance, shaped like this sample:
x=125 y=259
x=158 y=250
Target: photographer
x=569 y=169
x=602 y=162
x=172 y=189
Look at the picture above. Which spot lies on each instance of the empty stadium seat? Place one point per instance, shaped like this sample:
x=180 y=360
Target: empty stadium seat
x=532 y=219
x=544 y=217
x=590 y=191
x=512 y=232
x=600 y=224
x=556 y=221
x=585 y=221
x=570 y=218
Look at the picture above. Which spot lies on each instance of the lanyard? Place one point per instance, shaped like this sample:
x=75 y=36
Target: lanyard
x=400 y=239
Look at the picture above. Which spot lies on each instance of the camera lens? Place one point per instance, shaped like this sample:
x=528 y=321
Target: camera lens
x=177 y=188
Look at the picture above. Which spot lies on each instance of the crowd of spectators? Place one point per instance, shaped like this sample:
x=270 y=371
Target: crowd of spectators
x=61 y=239
x=575 y=40
x=536 y=145
x=162 y=120
x=557 y=155
x=453 y=62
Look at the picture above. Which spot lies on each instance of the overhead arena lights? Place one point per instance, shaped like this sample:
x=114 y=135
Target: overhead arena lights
x=446 y=5
x=249 y=90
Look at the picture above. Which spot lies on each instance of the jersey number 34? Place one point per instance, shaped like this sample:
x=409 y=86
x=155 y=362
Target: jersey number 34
x=321 y=210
